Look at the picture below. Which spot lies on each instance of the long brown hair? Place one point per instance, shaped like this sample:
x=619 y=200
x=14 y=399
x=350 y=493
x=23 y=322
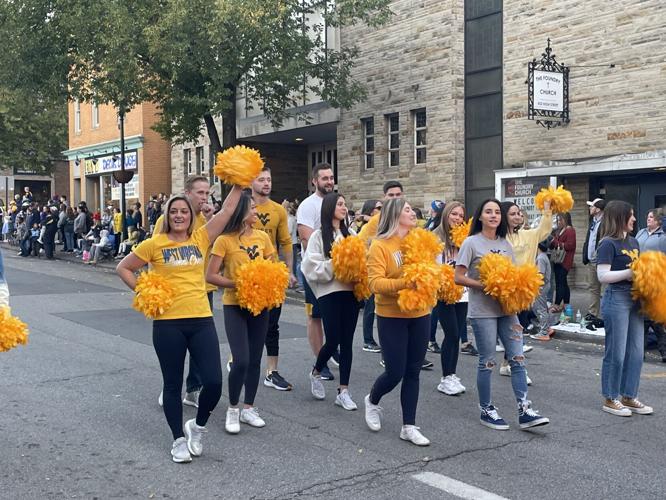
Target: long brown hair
x=443 y=231
x=166 y=227
x=615 y=220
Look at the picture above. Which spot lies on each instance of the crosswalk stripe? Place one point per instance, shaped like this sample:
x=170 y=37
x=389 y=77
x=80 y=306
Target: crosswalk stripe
x=455 y=487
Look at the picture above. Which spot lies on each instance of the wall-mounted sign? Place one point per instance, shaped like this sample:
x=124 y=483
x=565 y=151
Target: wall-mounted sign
x=548 y=90
x=131 y=188
x=522 y=191
x=109 y=163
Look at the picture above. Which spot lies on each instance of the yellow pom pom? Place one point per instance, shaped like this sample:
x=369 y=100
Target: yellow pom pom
x=154 y=294
x=514 y=287
x=460 y=232
x=238 y=165
x=13 y=331
x=420 y=246
x=649 y=285
x=362 y=290
x=561 y=200
x=449 y=292
x=426 y=277
x=348 y=257
x=261 y=284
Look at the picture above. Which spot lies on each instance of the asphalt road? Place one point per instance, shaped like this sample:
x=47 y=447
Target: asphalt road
x=80 y=418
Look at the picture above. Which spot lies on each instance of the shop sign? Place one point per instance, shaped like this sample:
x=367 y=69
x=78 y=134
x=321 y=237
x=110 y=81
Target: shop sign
x=548 y=90
x=107 y=164
x=522 y=192
x=131 y=188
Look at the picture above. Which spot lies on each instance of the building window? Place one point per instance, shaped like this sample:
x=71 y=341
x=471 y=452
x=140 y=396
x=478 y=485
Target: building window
x=213 y=159
x=201 y=161
x=77 y=116
x=95 y=114
x=420 y=142
x=393 y=139
x=368 y=142
x=189 y=165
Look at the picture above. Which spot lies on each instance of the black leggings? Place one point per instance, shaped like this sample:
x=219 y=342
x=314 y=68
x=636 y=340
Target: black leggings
x=562 y=292
x=246 y=334
x=172 y=338
x=273 y=334
x=339 y=313
x=404 y=342
x=453 y=318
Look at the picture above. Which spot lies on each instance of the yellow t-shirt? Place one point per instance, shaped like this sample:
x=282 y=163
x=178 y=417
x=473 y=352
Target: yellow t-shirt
x=273 y=220
x=235 y=251
x=385 y=278
x=117 y=223
x=183 y=264
x=369 y=231
x=199 y=221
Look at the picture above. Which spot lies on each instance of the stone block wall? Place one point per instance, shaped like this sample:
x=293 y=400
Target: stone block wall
x=414 y=62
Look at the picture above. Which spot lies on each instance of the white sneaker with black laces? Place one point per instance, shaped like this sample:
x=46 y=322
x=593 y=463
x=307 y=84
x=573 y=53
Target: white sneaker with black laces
x=250 y=416
x=413 y=434
x=193 y=433
x=344 y=399
x=179 y=451
x=232 y=423
x=317 y=387
x=373 y=415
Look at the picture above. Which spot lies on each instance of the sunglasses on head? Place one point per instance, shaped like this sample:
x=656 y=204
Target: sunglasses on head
x=379 y=207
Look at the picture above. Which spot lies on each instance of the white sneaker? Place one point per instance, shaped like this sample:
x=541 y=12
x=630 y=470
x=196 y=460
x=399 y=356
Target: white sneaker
x=412 y=434
x=317 y=387
x=193 y=434
x=506 y=371
x=179 y=452
x=344 y=399
x=373 y=415
x=232 y=424
x=527 y=348
x=449 y=386
x=499 y=348
x=250 y=416
x=457 y=379
x=229 y=366
x=192 y=398
x=160 y=399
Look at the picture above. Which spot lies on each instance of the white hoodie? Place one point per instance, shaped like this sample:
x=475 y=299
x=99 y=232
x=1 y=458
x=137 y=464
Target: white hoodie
x=318 y=268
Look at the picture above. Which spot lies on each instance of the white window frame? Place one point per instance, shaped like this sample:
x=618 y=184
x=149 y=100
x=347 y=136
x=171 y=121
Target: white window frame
x=77 y=116
x=366 y=152
x=187 y=158
x=423 y=129
x=94 y=107
x=201 y=160
x=389 y=134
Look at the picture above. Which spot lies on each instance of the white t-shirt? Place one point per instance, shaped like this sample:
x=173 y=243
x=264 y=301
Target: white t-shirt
x=309 y=212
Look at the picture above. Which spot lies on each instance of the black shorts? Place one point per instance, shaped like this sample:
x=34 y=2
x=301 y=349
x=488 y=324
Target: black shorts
x=311 y=302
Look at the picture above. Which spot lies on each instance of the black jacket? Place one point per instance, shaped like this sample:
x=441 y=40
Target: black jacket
x=586 y=260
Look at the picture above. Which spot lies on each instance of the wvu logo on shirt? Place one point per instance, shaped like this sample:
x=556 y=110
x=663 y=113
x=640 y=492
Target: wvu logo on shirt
x=252 y=252
x=264 y=218
x=189 y=255
x=397 y=257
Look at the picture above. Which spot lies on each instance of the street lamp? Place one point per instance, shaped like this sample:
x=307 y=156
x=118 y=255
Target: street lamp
x=122 y=176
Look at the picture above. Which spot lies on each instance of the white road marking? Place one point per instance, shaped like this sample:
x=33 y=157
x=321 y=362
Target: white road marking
x=454 y=487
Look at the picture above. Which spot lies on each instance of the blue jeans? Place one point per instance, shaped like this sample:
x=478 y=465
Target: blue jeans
x=623 y=351
x=509 y=331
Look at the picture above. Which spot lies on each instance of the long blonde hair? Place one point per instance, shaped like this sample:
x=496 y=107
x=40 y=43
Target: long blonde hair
x=443 y=231
x=390 y=215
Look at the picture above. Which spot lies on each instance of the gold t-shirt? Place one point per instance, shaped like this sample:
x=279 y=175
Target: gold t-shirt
x=183 y=264
x=235 y=251
x=272 y=219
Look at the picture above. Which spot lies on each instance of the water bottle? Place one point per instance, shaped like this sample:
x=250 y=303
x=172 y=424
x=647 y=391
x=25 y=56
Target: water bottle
x=563 y=318
x=569 y=312
x=579 y=317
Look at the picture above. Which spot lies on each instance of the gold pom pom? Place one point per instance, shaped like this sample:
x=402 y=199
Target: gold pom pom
x=153 y=294
x=561 y=200
x=449 y=292
x=238 y=165
x=514 y=287
x=362 y=290
x=649 y=285
x=349 y=260
x=460 y=232
x=13 y=331
x=420 y=246
x=426 y=278
x=261 y=284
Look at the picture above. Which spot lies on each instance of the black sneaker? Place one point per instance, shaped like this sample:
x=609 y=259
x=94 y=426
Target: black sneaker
x=469 y=349
x=371 y=347
x=335 y=359
x=427 y=365
x=326 y=374
x=434 y=347
x=275 y=380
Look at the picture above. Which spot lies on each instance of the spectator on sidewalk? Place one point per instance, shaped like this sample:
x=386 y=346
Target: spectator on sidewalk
x=117 y=229
x=68 y=230
x=80 y=229
x=50 y=228
x=564 y=238
x=540 y=306
x=97 y=248
x=596 y=207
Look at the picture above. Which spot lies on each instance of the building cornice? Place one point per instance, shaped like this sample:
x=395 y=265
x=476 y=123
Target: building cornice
x=104 y=148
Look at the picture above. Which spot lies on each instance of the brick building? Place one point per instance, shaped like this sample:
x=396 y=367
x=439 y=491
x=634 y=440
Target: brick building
x=94 y=154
